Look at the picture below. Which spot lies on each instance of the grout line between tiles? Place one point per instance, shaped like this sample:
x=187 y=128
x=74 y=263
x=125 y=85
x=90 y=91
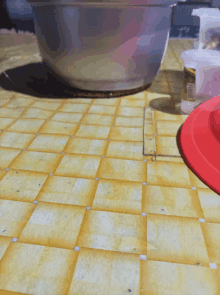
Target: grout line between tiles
x=73 y=268
x=179 y=263
x=10 y=99
x=86 y=213
x=75 y=177
x=42 y=188
x=60 y=134
x=168 y=156
x=9 y=126
x=25 y=223
x=143 y=129
x=29 y=105
x=143 y=193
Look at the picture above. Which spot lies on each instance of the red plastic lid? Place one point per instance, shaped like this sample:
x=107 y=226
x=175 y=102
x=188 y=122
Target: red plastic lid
x=200 y=142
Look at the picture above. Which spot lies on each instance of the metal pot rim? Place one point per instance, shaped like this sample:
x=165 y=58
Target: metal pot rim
x=109 y=3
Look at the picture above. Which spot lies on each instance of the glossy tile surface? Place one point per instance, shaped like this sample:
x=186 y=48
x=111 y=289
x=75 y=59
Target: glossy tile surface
x=96 y=199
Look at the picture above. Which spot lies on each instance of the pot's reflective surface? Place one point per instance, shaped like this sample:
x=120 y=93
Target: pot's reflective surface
x=103 y=48
x=19 y=9
x=21 y=14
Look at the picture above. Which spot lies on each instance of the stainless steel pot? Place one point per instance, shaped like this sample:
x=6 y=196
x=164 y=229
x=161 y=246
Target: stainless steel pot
x=103 y=45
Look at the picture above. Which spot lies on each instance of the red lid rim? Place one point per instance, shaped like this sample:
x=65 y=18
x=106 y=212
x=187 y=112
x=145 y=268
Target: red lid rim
x=192 y=143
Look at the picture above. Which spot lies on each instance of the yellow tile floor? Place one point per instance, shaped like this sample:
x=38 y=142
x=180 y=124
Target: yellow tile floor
x=84 y=212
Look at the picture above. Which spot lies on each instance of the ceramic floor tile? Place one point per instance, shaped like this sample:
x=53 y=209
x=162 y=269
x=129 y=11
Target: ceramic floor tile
x=122 y=170
x=4 y=102
x=86 y=146
x=92 y=131
x=195 y=181
x=169 y=159
x=59 y=128
x=20 y=102
x=7 y=155
x=6 y=94
x=81 y=166
x=171 y=201
x=128 y=134
x=13 y=217
x=130 y=112
x=4 y=243
x=80 y=100
x=150 y=158
x=5 y=122
x=36 y=269
x=150 y=128
x=102 y=110
x=67 y=117
x=125 y=150
x=16 y=140
x=62 y=100
x=108 y=101
x=168 y=128
x=113 y=231
x=118 y=197
x=139 y=95
x=93 y=119
x=44 y=105
x=4 y=292
x=21 y=185
x=149 y=145
x=2 y=174
x=37 y=161
x=212 y=239
x=129 y=122
x=161 y=116
x=36 y=113
x=210 y=202
x=26 y=125
x=163 y=278
x=10 y=113
x=167 y=146
x=175 y=239
x=129 y=102
x=116 y=273
x=74 y=108
x=49 y=143
x=168 y=174
x=66 y=190
x=53 y=225
x=22 y=96
x=148 y=114
x=82 y=183
x=184 y=117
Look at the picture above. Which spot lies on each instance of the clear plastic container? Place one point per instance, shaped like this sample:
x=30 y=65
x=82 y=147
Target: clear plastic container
x=207 y=81
x=188 y=101
x=204 y=59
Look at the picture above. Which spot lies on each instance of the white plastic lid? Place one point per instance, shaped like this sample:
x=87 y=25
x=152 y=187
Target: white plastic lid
x=206 y=12
x=192 y=57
